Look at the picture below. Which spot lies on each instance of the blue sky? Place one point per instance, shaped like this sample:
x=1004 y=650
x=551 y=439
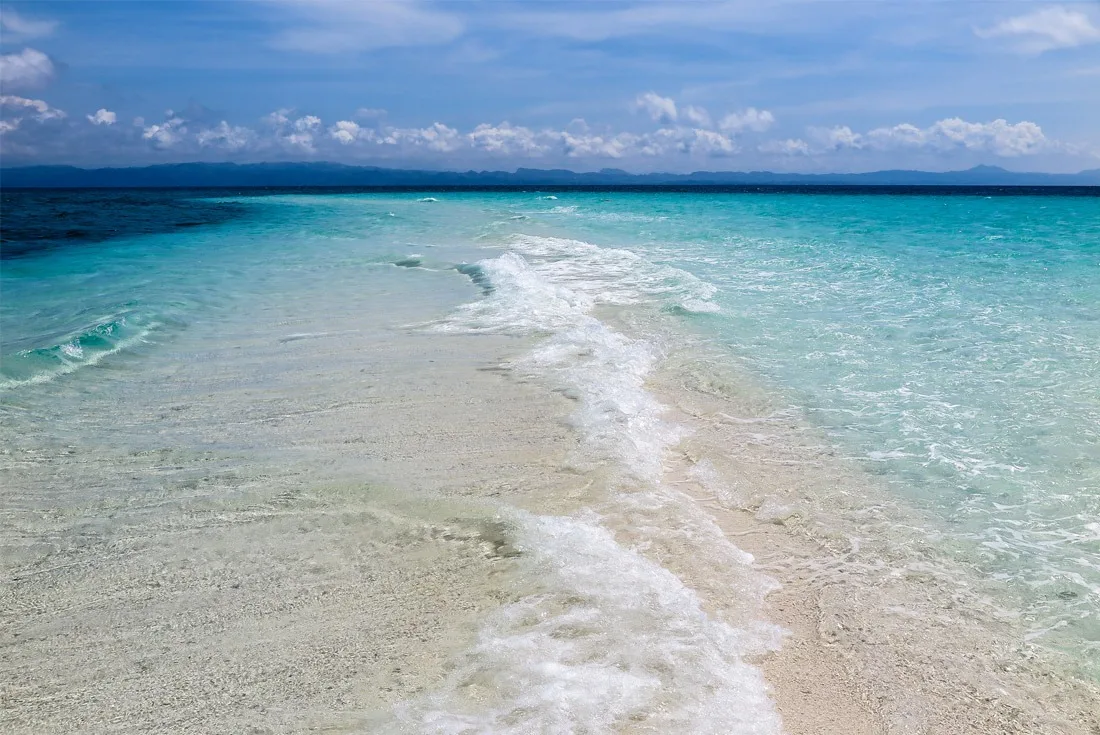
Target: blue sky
x=792 y=85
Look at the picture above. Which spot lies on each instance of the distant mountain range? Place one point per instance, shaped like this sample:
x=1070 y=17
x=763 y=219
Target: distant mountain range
x=334 y=174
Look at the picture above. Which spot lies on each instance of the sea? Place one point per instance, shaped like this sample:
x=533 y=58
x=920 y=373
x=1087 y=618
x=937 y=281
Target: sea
x=542 y=461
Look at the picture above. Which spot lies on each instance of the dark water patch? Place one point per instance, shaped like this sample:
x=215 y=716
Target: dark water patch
x=476 y=274
x=38 y=221
x=410 y=262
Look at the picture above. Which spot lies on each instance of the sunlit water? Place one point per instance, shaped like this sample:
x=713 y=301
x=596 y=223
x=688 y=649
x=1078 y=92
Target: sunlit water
x=949 y=345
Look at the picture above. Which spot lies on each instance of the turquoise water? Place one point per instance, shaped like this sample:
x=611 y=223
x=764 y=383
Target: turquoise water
x=947 y=345
x=951 y=344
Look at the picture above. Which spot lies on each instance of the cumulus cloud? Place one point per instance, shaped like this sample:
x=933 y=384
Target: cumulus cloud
x=664 y=110
x=102 y=117
x=33 y=125
x=165 y=134
x=279 y=117
x=506 y=139
x=18 y=109
x=1045 y=30
x=41 y=109
x=696 y=116
x=307 y=123
x=582 y=143
x=837 y=138
x=19 y=27
x=27 y=69
x=347 y=132
x=226 y=136
x=297 y=134
x=711 y=143
x=436 y=137
x=786 y=147
x=750 y=119
x=998 y=137
x=661 y=109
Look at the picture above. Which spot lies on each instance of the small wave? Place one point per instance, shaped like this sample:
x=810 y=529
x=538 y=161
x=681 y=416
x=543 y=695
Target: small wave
x=550 y=286
x=615 y=275
x=89 y=347
x=549 y=196
x=409 y=261
x=427 y=199
x=477 y=274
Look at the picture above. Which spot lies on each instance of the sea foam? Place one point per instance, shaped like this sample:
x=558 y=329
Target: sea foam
x=612 y=637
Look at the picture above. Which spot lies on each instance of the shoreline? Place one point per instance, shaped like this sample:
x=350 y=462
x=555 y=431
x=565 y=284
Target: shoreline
x=868 y=651
x=482 y=516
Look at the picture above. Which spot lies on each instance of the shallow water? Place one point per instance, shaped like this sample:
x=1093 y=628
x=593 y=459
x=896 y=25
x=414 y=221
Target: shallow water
x=942 y=351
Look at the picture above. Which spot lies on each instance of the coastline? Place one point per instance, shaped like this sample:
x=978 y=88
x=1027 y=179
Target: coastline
x=878 y=640
x=337 y=550
x=519 y=496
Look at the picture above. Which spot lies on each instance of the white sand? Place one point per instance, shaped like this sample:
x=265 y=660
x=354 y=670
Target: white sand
x=307 y=523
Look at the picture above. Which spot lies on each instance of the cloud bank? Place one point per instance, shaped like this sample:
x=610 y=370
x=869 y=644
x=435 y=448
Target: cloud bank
x=678 y=137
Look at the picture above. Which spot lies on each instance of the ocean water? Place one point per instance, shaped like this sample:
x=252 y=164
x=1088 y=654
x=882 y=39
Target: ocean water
x=940 y=351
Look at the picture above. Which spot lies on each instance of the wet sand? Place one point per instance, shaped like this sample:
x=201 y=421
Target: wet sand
x=291 y=533
x=881 y=637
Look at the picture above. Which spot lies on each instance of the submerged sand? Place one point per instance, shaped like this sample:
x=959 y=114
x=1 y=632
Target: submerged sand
x=307 y=528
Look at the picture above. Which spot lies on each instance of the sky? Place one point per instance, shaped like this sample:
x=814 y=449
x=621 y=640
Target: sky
x=651 y=85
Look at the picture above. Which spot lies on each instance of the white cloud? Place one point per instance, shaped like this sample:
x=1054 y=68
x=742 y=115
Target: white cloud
x=665 y=111
x=696 y=116
x=370 y=113
x=506 y=139
x=710 y=143
x=166 y=134
x=436 y=137
x=998 y=137
x=42 y=109
x=20 y=27
x=28 y=68
x=661 y=109
x=750 y=119
x=837 y=138
x=279 y=117
x=102 y=117
x=1046 y=29
x=297 y=134
x=303 y=141
x=673 y=146
x=347 y=132
x=226 y=136
x=583 y=144
x=787 y=147
x=307 y=123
